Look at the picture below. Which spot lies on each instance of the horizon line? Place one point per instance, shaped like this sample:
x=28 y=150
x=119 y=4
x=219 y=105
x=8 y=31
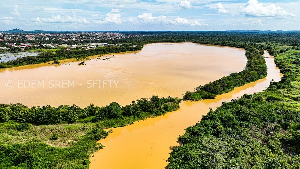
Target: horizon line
x=233 y=30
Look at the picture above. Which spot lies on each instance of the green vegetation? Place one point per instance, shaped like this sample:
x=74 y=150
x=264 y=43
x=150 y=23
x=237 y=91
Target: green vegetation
x=64 y=137
x=256 y=131
x=35 y=153
x=64 y=53
x=255 y=69
x=260 y=130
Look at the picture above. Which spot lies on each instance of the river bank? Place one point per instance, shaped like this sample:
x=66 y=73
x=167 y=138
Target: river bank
x=146 y=144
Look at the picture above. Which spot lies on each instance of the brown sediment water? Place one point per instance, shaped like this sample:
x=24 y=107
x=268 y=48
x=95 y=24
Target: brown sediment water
x=146 y=144
x=163 y=69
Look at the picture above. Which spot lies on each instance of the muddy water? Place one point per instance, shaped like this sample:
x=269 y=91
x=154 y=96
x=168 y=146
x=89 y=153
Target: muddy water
x=158 y=69
x=146 y=144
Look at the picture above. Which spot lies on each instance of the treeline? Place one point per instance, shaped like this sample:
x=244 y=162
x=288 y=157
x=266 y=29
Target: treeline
x=256 y=131
x=136 y=40
x=236 y=135
x=36 y=154
x=70 y=114
x=223 y=38
x=64 y=53
x=254 y=70
x=251 y=132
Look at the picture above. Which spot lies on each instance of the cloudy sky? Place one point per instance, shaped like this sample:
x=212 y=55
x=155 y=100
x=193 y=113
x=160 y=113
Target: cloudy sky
x=124 y=15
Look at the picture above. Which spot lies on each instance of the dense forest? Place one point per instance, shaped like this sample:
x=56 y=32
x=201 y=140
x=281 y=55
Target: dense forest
x=19 y=121
x=256 y=131
x=260 y=130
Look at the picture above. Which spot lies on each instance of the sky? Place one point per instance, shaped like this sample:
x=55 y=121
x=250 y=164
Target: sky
x=149 y=15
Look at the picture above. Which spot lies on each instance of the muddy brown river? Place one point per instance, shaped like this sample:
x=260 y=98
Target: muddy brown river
x=163 y=69
x=146 y=144
x=158 y=69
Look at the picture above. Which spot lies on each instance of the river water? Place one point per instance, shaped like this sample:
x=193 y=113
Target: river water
x=146 y=144
x=162 y=69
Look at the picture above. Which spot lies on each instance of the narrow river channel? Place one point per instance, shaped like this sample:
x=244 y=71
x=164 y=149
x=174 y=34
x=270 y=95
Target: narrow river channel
x=146 y=144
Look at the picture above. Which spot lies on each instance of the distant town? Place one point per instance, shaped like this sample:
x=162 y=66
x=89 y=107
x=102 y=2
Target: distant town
x=17 y=40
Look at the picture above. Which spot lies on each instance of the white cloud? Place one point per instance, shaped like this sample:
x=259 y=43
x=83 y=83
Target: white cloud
x=185 y=4
x=113 y=16
x=150 y=14
x=256 y=9
x=100 y=1
x=219 y=7
x=8 y=20
x=95 y=15
x=115 y=10
x=62 y=19
x=61 y=10
x=184 y=21
x=148 y=18
x=16 y=11
x=181 y=21
x=193 y=1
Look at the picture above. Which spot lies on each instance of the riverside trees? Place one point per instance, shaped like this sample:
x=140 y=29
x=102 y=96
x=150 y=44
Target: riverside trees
x=70 y=114
x=61 y=54
x=255 y=69
x=255 y=131
x=17 y=118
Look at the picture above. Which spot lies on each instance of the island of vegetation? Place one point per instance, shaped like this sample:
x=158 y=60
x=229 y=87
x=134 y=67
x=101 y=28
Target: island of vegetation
x=260 y=130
